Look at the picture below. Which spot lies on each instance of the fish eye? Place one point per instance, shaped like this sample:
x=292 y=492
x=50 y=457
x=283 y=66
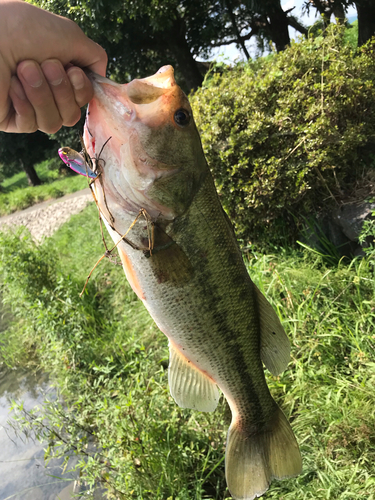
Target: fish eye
x=182 y=117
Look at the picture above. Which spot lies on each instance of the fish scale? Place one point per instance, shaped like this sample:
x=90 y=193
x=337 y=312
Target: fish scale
x=193 y=281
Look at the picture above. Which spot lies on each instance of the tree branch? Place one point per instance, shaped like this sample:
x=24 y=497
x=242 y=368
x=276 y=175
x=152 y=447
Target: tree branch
x=292 y=21
x=236 y=30
x=235 y=40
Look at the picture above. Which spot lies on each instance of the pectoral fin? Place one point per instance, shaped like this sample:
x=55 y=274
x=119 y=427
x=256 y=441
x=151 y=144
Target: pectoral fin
x=189 y=386
x=274 y=344
x=168 y=261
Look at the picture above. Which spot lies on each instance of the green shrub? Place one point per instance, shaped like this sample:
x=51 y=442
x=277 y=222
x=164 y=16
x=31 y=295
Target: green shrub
x=289 y=134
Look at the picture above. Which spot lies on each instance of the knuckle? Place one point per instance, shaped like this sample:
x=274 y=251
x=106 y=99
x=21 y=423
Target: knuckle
x=104 y=55
x=69 y=122
x=83 y=100
x=52 y=129
x=29 y=129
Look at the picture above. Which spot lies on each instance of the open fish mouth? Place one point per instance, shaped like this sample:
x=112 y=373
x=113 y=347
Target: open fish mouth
x=110 y=94
x=121 y=97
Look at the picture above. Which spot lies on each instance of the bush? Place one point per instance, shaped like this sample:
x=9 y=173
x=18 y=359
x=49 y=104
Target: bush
x=289 y=134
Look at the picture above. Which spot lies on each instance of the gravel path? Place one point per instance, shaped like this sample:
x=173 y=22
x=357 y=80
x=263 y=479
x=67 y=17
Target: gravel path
x=44 y=218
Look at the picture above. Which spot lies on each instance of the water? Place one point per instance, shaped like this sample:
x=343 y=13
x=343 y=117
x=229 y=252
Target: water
x=23 y=473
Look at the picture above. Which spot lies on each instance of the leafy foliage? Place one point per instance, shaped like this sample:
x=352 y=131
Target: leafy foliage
x=140 y=37
x=290 y=133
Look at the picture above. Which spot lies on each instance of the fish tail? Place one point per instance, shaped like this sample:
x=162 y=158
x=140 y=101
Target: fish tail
x=253 y=459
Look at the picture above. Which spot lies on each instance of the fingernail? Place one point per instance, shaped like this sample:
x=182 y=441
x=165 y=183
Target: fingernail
x=17 y=88
x=53 y=72
x=76 y=79
x=32 y=74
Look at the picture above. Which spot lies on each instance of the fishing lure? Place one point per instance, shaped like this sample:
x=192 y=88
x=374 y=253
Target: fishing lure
x=76 y=162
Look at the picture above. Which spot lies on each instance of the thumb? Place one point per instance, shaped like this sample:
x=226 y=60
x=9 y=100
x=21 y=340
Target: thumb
x=91 y=55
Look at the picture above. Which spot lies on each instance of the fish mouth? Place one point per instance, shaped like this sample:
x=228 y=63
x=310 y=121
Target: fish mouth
x=123 y=99
x=111 y=94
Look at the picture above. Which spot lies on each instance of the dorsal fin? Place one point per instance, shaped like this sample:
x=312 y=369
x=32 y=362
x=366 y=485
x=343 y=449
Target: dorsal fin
x=274 y=344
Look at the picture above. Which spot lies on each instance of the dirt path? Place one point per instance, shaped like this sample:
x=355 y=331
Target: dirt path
x=44 y=218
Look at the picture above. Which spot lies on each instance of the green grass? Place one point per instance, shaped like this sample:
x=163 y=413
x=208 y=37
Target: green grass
x=17 y=195
x=110 y=361
x=19 y=180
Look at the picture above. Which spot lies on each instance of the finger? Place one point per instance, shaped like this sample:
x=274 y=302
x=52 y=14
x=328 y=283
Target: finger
x=40 y=96
x=82 y=86
x=23 y=118
x=62 y=91
x=100 y=62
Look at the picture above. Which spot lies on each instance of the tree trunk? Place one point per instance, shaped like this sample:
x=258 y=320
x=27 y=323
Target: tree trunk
x=339 y=13
x=278 y=25
x=187 y=65
x=177 y=44
x=366 y=20
x=32 y=176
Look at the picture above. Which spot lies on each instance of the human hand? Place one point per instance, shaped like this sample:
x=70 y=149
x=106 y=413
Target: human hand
x=42 y=85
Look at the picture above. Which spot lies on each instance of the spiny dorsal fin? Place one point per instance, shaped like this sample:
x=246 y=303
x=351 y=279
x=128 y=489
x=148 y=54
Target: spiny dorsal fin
x=190 y=387
x=274 y=344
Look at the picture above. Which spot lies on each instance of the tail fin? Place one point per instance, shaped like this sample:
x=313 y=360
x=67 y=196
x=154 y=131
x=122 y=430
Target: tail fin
x=252 y=461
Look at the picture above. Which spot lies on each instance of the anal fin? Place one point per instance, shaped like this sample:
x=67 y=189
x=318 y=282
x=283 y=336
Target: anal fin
x=189 y=386
x=274 y=344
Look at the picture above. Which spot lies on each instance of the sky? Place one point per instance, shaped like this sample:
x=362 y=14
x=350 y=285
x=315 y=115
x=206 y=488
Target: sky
x=230 y=53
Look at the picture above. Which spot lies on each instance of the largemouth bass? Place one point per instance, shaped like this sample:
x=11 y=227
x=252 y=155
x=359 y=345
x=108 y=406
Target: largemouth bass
x=182 y=259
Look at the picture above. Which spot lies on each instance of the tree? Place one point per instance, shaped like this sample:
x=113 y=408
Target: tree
x=275 y=21
x=328 y=7
x=141 y=36
x=264 y=19
x=365 y=10
x=23 y=151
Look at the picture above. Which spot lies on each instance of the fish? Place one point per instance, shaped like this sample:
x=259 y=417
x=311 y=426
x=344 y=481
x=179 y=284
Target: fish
x=182 y=259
